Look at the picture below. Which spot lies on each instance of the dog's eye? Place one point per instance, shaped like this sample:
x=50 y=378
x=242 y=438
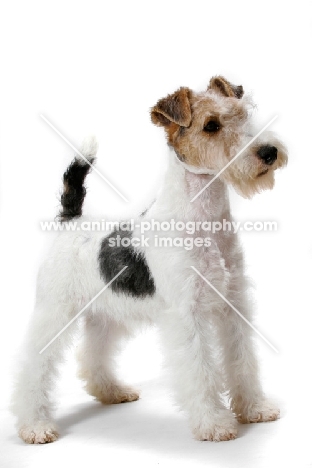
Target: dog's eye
x=212 y=126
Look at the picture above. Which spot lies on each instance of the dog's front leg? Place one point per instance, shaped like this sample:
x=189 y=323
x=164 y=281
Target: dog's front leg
x=240 y=361
x=190 y=358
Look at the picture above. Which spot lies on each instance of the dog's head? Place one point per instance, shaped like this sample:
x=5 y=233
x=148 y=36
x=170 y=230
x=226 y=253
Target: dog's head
x=207 y=130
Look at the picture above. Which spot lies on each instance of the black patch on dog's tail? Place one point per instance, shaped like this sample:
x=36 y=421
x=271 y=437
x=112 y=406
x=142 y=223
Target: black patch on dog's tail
x=74 y=190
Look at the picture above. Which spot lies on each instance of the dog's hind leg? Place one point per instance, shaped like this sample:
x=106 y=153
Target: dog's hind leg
x=31 y=401
x=100 y=344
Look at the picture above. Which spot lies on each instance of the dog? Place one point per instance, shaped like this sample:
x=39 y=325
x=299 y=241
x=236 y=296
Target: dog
x=188 y=291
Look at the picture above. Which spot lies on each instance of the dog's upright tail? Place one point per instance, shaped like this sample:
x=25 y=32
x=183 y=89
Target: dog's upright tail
x=74 y=190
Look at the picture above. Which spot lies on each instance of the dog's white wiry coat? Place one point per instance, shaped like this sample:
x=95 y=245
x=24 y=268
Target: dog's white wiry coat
x=208 y=347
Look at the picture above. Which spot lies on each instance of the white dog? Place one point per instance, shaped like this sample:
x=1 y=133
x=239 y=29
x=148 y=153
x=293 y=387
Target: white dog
x=156 y=283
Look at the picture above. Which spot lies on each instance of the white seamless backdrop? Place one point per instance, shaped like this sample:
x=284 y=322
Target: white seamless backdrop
x=97 y=67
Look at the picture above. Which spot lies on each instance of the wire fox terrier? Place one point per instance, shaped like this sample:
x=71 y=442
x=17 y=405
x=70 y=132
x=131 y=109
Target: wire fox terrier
x=208 y=347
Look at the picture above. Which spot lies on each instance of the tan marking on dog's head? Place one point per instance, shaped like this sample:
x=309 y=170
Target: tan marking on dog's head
x=208 y=129
x=224 y=87
x=198 y=128
x=175 y=108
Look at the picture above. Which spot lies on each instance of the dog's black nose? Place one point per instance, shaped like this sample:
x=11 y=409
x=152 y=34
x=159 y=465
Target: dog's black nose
x=268 y=154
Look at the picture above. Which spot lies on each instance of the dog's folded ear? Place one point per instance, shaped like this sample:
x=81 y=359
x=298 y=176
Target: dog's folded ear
x=174 y=108
x=224 y=87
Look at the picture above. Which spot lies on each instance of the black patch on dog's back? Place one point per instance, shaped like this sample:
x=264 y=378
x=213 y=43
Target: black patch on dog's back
x=136 y=280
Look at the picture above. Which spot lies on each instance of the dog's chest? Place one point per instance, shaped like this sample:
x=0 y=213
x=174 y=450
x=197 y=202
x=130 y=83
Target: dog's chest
x=213 y=260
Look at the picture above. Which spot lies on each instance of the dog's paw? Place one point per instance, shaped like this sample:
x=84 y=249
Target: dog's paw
x=40 y=432
x=222 y=427
x=123 y=395
x=259 y=412
x=115 y=394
